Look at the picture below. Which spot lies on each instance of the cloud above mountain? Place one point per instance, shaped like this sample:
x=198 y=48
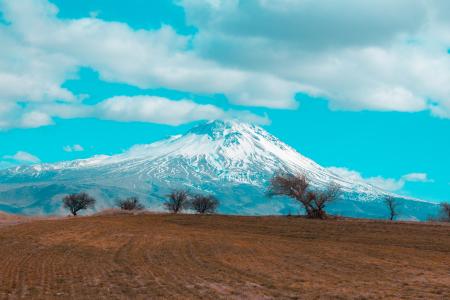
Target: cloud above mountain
x=161 y=110
x=40 y=52
x=22 y=157
x=255 y=52
x=73 y=148
x=151 y=109
x=387 y=184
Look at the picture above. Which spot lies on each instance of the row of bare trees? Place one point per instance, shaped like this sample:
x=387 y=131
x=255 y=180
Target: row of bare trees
x=81 y=201
x=178 y=201
x=298 y=187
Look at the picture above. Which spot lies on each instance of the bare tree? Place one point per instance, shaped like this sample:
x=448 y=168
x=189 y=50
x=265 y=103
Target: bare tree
x=298 y=187
x=178 y=200
x=320 y=198
x=77 y=202
x=131 y=203
x=391 y=204
x=445 y=212
x=204 y=204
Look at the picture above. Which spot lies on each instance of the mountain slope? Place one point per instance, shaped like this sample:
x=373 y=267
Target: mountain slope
x=230 y=159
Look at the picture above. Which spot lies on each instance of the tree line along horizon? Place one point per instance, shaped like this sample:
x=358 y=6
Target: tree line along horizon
x=297 y=187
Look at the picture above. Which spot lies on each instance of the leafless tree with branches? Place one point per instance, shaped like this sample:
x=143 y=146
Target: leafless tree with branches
x=299 y=188
x=178 y=200
x=77 y=202
x=131 y=203
x=445 y=212
x=391 y=204
x=204 y=204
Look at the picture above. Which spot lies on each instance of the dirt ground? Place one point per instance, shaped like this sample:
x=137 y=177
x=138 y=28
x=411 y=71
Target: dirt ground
x=7 y=219
x=186 y=256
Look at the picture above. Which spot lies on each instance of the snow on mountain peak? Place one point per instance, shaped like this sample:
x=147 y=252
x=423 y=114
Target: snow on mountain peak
x=226 y=150
x=216 y=128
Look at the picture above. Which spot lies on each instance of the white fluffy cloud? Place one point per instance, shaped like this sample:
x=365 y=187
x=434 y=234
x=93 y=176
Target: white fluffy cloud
x=377 y=55
x=14 y=115
x=22 y=157
x=35 y=119
x=387 y=184
x=150 y=109
x=255 y=52
x=161 y=110
x=417 y=177
x=73 y=148
x=40 y=52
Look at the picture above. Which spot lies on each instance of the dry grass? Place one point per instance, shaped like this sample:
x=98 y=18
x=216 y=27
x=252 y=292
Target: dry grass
x=7 y=219
x=185 y=256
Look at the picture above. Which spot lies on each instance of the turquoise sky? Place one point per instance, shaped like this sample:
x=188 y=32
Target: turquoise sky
x=346 y=99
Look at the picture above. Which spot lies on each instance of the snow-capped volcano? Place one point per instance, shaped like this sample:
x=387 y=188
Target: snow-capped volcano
x=230 y=159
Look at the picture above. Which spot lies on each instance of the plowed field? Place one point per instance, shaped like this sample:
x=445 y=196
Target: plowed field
x=187 y=256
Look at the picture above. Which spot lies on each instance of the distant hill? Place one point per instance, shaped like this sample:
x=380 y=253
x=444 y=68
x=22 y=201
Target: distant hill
x=230 y=159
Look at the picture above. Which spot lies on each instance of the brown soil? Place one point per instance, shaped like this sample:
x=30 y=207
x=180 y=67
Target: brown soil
x=8 y=219
x=186 y=256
